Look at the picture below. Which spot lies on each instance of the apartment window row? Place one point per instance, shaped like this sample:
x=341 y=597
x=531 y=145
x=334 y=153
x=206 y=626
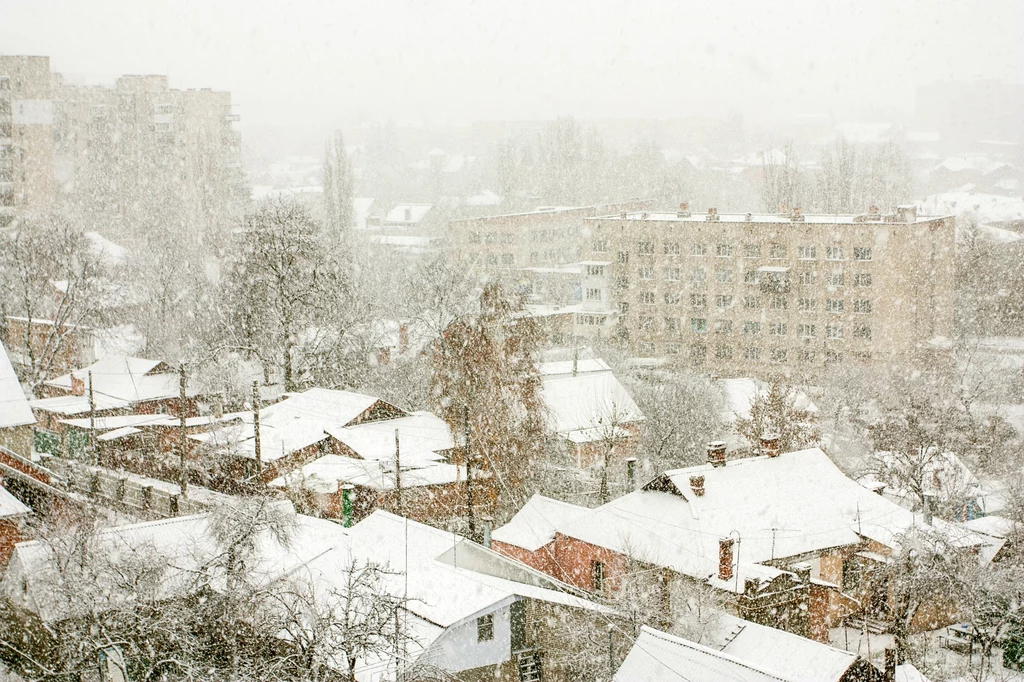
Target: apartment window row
x=775 y=251
x=753 y=277
x=492 y=238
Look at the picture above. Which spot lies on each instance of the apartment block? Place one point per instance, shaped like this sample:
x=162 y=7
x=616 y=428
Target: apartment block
x=743 y=294
x=26 y=137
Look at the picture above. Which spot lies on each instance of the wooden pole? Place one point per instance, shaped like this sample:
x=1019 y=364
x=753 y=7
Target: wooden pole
x=256 y=430
x=183 y=445
x=469 y=473
x=92 y=423
x=398 y=477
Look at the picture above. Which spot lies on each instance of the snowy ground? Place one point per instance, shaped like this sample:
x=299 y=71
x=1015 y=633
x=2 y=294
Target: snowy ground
x=938 y=663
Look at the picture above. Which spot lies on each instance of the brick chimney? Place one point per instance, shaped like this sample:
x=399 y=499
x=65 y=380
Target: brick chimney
x=725 y=559
x=697 y=484
x=770 y=444
x=712 y=214
x=684 y=210
x=77 y=385
x=631 y=473
x=797 y=216
x=716 y=453
x=623 y=215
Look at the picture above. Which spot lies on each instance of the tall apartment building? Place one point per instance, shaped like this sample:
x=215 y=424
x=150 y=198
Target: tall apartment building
x=26 y=136
x=748 y=294
x=146 y=155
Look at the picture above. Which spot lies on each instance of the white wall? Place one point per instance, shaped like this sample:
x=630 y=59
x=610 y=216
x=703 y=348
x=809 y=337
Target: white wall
x=458 y=649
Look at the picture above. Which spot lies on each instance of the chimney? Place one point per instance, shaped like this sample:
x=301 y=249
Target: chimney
x=929 y=508
x=623 y=215
x=803 y=571
x=874 y=211
x=783 y=209
x=348 y=494
x=697 y=485
x=403 y=337
x=408 y=215
x=488 y=525
x=890 y=665
x=749 y=217
x=716 y=453
x=631 y=473
x=725 y=559
x=712 y=214
x=797 y=216
x=218 y=406
x=77 y=385
x=906 y=214
x=684 y=210
x=770 y=444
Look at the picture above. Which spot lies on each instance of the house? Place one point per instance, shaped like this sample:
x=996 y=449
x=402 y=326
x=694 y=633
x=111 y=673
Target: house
x=469 y=611
x=590 y=409
x=741 y=651
x=16 y=418
x=758 y=531
x=12 y=517
x=1000 y=535
x=121 y=385
x=945 y=480
x=406 y=216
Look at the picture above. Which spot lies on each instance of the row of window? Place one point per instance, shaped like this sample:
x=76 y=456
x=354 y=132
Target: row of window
x=699 y=325
x=775 y=251
x=804 y=305
x=699 y=352
x=700 y=276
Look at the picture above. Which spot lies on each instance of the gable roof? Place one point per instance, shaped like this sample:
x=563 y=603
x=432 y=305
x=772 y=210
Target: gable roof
x=585 y=407
x=660 y=657
x=536 y=523
x=14 y=407
x=125 y=378
x=11 y=506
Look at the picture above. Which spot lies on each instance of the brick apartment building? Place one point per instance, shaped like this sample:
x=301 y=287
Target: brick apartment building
x=742 y=293
x=27 y=180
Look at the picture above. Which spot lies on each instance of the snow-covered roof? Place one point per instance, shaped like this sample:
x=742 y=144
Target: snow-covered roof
x=117 y=434
x=114 y=255
x=660 y=657
x=985 y=208
x=14 y=406
x=11 y=506
x=535 y=524
x=323 y=475
x=125 y=378
x=783 y=653
x=78 y=404
x=408 y=213
x=906 y=672
x=759 y=218
x=485 y=198
x=586 y=406
x=993 y=526
x=422 y=437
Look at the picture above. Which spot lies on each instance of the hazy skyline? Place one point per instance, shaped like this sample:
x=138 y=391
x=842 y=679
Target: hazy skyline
x=316 y=63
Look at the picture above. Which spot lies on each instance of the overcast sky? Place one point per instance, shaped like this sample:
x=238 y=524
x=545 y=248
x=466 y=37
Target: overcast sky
x=315 y=62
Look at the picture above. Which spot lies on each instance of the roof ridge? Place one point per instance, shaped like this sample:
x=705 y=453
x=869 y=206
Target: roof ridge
x=673 y=639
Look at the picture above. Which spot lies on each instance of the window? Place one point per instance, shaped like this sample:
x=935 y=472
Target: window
x=646 y=349
x=862 y=279
x=672 y=274
x=671 y=248
x=777 y=251
x=622 y=257
x=647 y=297
x=806 y=252
x=806 y=331
x=699 y=300
x=807 y=356
x=751 y=277
x=698 y=276
x=490 y=238
x=593 y=294
x=508 y=238
x=623 y=307
x=834 y=331
x=508 y=259
x=833 y=357
x=723 y=326
x=724 y=276
x=862 y=331
x=834 y=253
x=862 y=306
x=862 y=253
x=595 y=270
x=601 y=245
x=779 y=355
x=723 y=301
x=645 y=248
x=672 y=298
x=474 y=238
x=698 y=249
x=597 y=573
x=485 y=628
x=751 y=302
x=698 y=324
x=647 y=324
x=534 y=257
x=671 y=324
x=622 y=282
x=777 y=328
x=805 y=305
x=836 y=279
x=752 y=353
x=723 y=250
x=834 y=305
x=645 y=273
x=723 y=352
x=698 y=352
x=672 y=348
x=779 y=302
x=751 y=251
x=808 y=278
x=752 y=328
x=492 y=259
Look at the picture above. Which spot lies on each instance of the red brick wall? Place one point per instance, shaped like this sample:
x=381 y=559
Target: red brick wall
x=542 y=559
x=574 y=561
x=10 y=535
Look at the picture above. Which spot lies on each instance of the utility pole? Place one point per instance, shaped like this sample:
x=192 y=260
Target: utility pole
x=92 y=423
x=398 y=476
x=469 y=471
x=256 y=430
x=181 y=420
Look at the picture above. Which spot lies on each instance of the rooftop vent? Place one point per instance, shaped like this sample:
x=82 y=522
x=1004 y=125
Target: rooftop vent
x=684 y=210
x=712 y=214
x=749 y=217
x=623 y=215
x=643 y=216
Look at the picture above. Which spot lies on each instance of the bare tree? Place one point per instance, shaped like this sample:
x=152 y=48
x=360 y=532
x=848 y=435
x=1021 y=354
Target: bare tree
x=776 y=411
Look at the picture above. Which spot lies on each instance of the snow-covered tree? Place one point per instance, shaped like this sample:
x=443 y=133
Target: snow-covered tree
x=776 y=411
x=338 y=187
